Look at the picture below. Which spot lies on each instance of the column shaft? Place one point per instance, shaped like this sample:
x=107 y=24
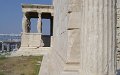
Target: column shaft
x=2 y=47
x=16 y=46
x=8 y=47
x=24 y=23
x=39 y=25
x=97 y=37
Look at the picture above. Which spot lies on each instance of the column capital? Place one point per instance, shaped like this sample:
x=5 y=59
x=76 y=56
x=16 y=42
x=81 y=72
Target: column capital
x=52 y=14
x=39 y=14
x=24 y=14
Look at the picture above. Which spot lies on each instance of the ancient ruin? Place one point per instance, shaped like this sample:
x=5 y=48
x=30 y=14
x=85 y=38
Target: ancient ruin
x=35 y=11
x=35 y=43
x=84 y=37
x=9 y=42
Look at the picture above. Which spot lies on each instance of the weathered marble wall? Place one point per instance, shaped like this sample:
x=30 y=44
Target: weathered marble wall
x=65 y=54
x=31 y=40
x=66 y=29
x=83 y=38
x=60 y=27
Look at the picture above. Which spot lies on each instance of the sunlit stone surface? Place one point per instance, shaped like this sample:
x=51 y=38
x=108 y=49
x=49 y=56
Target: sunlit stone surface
x=84 y=39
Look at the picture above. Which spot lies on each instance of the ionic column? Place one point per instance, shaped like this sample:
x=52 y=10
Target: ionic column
x=97 y=37
x=2 y=46
x=39 y=25
x=8 y=47
x=24 y=23
x=16 y=46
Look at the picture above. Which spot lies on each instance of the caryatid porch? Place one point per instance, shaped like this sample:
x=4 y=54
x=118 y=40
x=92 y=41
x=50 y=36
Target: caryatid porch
x=35 y=11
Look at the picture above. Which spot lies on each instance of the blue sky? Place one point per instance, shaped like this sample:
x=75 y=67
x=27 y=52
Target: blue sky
x=11 y=15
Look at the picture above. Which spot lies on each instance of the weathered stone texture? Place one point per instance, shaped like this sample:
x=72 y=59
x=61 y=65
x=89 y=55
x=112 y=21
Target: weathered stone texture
x=65 y=52
x=84 y=38
x=97 y=34
x=118 y=35
x=31 y=40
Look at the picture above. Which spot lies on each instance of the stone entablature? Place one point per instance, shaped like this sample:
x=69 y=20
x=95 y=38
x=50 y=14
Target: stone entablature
x=38 y=8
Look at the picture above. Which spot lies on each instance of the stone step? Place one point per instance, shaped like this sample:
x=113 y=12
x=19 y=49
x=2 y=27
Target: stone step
x=31 y=51
x=71 y=67
x=70 y=73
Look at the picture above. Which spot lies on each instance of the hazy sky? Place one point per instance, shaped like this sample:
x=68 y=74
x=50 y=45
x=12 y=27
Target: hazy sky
x=11 y=14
